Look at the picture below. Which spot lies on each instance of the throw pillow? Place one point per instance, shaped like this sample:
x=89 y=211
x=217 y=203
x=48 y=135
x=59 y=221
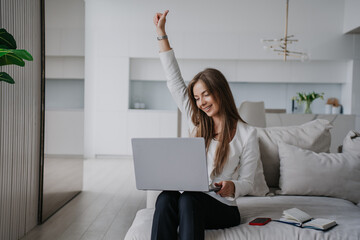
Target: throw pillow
x=351 y=143
x=304 y=172
x=314 y=136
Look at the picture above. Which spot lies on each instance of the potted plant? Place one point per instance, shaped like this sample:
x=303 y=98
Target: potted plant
x=10 y=55
x=308 y=98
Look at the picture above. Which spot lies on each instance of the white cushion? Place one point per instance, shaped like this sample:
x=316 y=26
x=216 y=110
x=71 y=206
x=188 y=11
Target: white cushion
x=151 y=197
x=304 y=172
x=351 y=143
x=346 y=214
x=314 y=135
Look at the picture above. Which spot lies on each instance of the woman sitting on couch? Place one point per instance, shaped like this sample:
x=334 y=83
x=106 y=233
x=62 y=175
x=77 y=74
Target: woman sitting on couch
x=232 y=151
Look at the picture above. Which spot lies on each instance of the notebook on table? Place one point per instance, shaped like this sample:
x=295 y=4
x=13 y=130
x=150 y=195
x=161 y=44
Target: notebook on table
x=177 y=164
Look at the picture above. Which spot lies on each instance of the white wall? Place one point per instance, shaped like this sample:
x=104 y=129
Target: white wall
x=64 y=69
x=351 y=89
x=356 y=93
x=351 y=15
x=64 y=132
x=356 y=82
x=64 y=27
x=219 y=30
x=351 y=22
x=198 y=30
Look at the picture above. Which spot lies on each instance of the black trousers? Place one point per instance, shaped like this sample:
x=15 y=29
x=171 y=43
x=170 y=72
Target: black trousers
x=192 y=212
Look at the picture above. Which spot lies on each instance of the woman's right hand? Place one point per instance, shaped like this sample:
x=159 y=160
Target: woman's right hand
x=159 y=21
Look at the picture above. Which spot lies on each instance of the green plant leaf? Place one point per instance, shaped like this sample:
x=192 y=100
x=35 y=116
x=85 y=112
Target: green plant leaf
x=23 y=54
x=20 y=53
x=4 y=51
x=6 y=78
x=11 y=58
x=6 y=39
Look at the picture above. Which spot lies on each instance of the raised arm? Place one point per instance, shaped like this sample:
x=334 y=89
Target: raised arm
x=159 y=21
x=175 y=81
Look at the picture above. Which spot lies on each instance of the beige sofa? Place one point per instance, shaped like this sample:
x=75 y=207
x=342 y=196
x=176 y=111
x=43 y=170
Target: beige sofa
x=296 y=170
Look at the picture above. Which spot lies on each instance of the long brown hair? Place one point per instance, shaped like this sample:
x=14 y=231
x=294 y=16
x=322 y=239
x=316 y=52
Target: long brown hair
x=219 y=88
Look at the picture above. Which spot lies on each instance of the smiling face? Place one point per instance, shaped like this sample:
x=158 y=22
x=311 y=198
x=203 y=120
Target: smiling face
x=205 y=100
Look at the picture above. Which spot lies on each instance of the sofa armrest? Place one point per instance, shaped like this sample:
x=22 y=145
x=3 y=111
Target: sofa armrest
x=151 y=197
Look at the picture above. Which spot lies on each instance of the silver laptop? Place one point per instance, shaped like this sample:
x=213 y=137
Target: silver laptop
x=170 y=164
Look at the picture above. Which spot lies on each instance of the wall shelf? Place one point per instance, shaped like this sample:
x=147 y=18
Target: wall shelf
x=64 y=93
x=250 y=80
x=154 y=94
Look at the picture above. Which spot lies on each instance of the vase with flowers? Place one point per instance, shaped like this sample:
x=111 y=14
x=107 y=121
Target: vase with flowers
x=307 y=98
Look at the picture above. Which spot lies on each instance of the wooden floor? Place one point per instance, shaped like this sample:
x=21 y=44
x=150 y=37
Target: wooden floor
x=104 y=210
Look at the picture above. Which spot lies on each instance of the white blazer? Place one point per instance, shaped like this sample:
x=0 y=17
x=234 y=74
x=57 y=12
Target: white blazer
x=244 y=148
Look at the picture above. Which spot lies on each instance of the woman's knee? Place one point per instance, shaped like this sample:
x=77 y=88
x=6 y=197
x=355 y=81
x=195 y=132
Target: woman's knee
x=167 y=199
x=190 y=200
